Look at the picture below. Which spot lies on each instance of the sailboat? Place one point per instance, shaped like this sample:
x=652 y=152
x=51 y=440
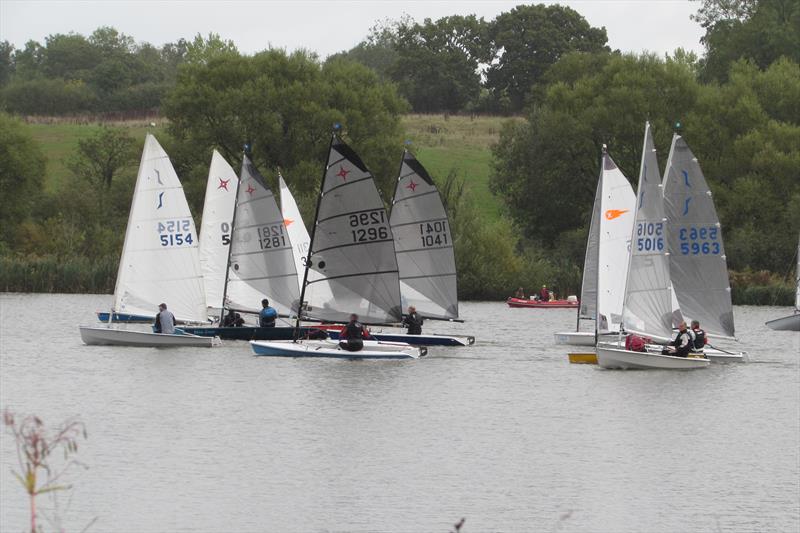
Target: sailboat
x=295 y=227
x=261 y=261
x=351 y=265
x=697 y=263
x=215 y=231
x=647 y=305
x=607 y=252
x=159 y=260
x=790 y=322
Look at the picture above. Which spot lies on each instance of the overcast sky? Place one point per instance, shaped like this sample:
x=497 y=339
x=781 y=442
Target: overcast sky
x=325 y=27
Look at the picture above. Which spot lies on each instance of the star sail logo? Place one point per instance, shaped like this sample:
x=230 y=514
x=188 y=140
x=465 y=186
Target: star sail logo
x=250 y=189
x=223 y=184
x=343 y=173
x=412 y=185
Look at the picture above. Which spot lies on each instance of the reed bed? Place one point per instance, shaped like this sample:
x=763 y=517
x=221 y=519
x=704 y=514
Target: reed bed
x=58 y=274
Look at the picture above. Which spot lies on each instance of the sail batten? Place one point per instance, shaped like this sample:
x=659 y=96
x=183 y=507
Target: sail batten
x=262 y=261
x=424 y=244
x=160 y=261
x=698 y=267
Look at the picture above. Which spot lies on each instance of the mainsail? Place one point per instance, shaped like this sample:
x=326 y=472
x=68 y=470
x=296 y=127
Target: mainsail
x=647 y=306
x=215 y=230
x=588 y=302
x=298 y=233
x=353 y=268
x=423 y=243
x=617 y=206
x=159 y=260
x=697 y=264
x=261 y=258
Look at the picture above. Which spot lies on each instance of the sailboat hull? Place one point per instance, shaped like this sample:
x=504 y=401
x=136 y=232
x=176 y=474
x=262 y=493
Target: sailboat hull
x=575 y=338
x=145 y=339
x=328 y=349
x=536 y=304
x=125 y=317
x=247 y=333
x=619 y=358
x=786 y=323
x=415 y=340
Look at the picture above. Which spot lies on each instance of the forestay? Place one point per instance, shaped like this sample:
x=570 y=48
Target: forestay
x=261 y=260
x=647 y=306
x=159 y=260
x=423 y=243
x=698 y=268
x=617 y=206
x=353 y=266
x=215 y=231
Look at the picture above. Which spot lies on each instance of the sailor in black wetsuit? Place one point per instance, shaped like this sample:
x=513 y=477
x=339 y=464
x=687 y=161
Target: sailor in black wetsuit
x=352 y=336
x=682 y=344
x=413 y=321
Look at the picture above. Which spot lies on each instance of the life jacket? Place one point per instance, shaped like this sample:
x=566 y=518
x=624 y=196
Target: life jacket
x=700 y=339
x=635 y=343
x=354 y=330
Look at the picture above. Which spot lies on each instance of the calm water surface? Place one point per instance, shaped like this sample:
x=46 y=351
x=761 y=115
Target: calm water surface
x=506 y=433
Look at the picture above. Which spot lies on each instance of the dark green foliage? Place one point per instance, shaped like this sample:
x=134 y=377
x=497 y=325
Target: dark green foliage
x=101 y=156
x=528 y=40
x=22 y=167
x=77 y=274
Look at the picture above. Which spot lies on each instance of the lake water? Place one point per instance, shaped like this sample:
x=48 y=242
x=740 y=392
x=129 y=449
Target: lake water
x=506 y=433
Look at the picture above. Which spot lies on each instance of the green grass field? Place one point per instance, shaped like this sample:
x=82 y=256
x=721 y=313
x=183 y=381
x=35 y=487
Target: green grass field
x=444 y=144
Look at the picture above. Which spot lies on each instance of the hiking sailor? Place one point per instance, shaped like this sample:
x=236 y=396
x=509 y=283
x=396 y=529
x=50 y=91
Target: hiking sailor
x=352 y=336
x=683 y=343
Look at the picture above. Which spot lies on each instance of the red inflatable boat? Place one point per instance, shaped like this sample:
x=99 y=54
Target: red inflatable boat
x=552 y=304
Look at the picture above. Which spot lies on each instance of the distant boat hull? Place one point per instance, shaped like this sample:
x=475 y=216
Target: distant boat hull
x=786 y=323
x=583 y=358
x=248 y=333
x=330 y=349
x=612 y=357
x=118 y=337
x=552 y=304
x=125 y=317
x=575 y=338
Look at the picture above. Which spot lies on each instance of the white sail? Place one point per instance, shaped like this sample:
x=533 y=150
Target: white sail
x=298 y=233
x=698 y=267
x=160 y=260
x=423 y=243
x=617 y=207
x=588 y=301
x=353 y=265
x=215 y=230
x=647 y=307
x=261 y=258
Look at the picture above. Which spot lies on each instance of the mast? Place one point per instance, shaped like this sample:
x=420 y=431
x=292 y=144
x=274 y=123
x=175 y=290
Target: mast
x=313 y=233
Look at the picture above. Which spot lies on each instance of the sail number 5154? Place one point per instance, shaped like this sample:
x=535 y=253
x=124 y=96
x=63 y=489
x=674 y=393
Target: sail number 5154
x=175 y=232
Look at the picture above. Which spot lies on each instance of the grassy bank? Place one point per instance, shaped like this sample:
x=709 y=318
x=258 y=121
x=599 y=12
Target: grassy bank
x=54 y=274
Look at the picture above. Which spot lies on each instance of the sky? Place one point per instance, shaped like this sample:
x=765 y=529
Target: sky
x=326 y=27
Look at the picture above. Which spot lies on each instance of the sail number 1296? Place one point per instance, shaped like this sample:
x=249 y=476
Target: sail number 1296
x=369 y=226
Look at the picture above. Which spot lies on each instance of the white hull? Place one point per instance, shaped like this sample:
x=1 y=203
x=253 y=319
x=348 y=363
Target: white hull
x=121 y=337
x=330 y=349
x=786 y=323
x=614 y=357
x=575 y=338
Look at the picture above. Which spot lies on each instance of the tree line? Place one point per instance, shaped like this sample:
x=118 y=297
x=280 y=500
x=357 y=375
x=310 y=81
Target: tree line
x=742 y=122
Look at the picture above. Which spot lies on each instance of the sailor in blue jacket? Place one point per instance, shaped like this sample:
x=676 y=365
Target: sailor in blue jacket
x=267 y=316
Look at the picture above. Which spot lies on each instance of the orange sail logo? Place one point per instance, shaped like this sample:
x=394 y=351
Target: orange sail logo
x=611 y=214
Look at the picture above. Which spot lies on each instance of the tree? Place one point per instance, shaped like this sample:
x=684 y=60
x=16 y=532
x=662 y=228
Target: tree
x=101 y=156
x=6 y=62
x=22 y=168
x=71 y=56
x=283 y=106
x=528 y=40
x=379 y=50
x=437 y=62
x=761 y=31
x=201 y=49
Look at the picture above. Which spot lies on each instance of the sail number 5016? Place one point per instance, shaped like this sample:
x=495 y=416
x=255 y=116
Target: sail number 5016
x=175 y=232
x=650 y=236
x=369 y=226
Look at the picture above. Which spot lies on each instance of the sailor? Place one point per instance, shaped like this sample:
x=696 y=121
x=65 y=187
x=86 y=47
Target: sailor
x=544 y=294
x=165 y=320
x=352 y=336
x=700 y=339
x=682 y=344
x=267 y=316
x=413 y=321
x=232 y=320
x=520 y=294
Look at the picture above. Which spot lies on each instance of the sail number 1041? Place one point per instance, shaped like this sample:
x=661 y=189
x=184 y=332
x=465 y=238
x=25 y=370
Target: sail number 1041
x=175 y=233
x=433 y=234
